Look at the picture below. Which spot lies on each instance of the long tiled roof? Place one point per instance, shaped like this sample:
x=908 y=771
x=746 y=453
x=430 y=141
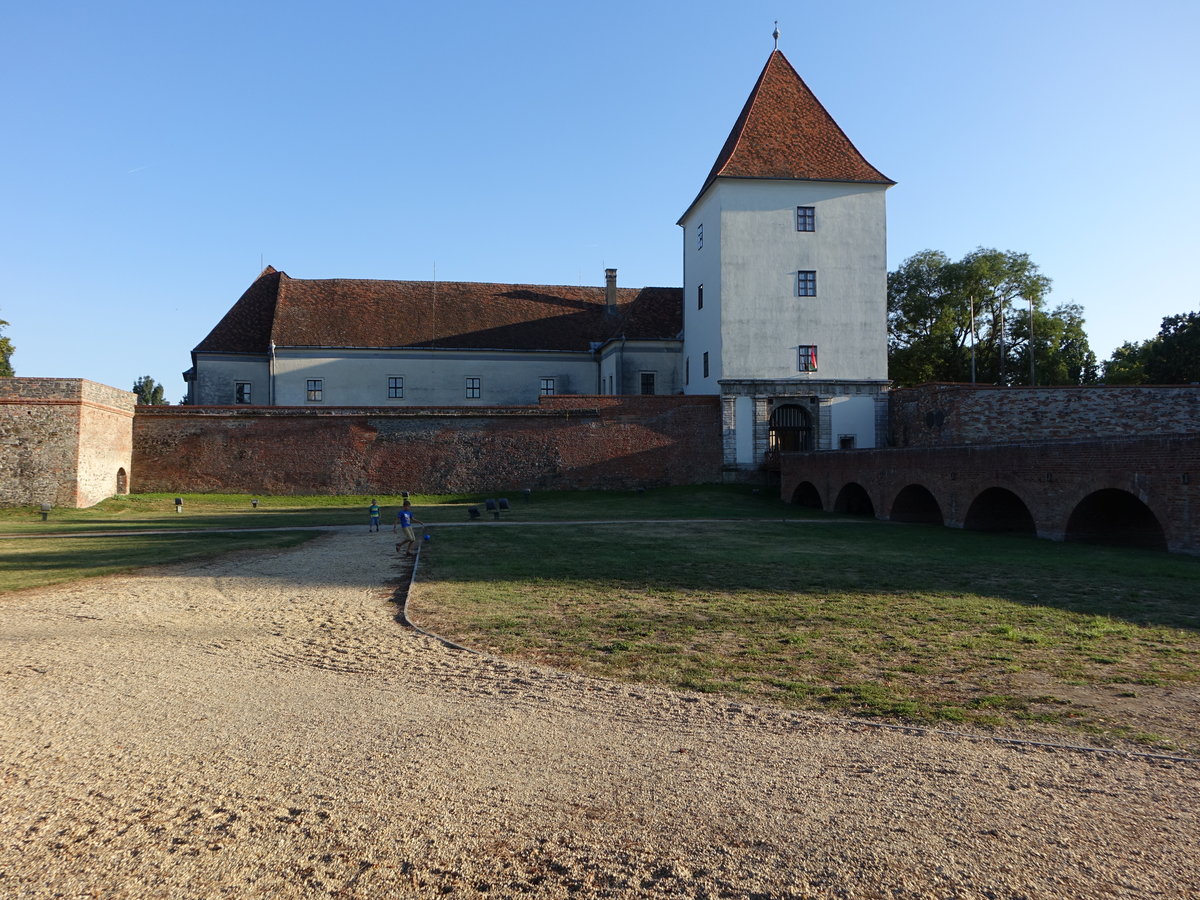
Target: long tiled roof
x=784 y=132
x=349 y=313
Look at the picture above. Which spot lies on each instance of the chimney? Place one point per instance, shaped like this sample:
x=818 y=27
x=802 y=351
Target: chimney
x=610 y=289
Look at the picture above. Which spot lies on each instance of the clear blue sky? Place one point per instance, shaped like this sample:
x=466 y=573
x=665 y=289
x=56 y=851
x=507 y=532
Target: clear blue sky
x=157 y=154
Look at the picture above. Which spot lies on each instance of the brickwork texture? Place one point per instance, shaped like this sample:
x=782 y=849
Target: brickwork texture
x=565 y=443
x=63 y=441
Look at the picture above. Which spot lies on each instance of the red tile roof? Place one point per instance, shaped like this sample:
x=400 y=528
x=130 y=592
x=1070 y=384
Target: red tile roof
x=345 y=313
x=784 y=132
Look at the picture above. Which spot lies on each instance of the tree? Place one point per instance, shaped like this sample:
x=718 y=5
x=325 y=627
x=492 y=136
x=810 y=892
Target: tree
x=1127 y=364
x=1170 y=357
x=149 y=393
x=6 y=352
x=970 y=321
x=1174 y=357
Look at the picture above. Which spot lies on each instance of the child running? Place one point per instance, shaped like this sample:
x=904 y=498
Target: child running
x=404 y=521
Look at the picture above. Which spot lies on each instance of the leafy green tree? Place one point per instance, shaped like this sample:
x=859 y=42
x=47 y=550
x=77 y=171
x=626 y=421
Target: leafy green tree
x=1170 y=357
x=6 y=352
x=940 y=310
x=149 y=393
x=1127 y=364
x=1174 y=356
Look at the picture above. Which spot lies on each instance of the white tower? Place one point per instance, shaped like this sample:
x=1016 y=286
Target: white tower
x=785 y=280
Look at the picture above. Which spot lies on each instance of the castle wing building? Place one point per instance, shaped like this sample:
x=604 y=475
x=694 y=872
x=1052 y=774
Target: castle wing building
x=358 y=342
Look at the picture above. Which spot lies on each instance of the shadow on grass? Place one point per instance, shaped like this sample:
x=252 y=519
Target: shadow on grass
x=839 y=558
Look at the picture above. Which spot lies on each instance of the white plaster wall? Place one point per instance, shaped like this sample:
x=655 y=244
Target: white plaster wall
x=360 y=378
x=215 y=377
x=763 y=321
x=702 y=327
x=744 y=425
x=852 y=415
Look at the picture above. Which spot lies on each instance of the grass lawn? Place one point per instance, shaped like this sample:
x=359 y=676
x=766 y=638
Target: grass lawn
x=157 y=511
x=909 y=623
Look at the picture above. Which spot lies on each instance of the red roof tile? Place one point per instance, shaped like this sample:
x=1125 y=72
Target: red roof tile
x=784 y=132
x=345 y=313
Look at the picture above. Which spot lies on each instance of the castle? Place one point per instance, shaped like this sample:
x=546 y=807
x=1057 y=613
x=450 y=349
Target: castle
x=782 y=313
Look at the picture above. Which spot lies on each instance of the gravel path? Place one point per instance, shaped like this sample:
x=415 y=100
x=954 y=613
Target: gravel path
x=262 y=726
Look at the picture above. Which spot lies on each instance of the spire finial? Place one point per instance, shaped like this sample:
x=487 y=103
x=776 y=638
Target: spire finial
x=775 y=34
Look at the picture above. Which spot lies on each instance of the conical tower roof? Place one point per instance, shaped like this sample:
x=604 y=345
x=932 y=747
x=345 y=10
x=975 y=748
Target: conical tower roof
x=784 y=132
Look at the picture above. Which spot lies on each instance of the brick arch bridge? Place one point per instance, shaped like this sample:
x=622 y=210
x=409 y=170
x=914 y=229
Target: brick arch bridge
x=1140 y=491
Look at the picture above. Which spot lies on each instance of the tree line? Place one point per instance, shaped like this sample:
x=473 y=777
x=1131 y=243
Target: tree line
x=983 y=319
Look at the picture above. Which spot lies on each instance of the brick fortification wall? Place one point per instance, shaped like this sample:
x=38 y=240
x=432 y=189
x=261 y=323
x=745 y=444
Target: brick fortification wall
x=63 y=441
x=564 y=443
x=934 y=415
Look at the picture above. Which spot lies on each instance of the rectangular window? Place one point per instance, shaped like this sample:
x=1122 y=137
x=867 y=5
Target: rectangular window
x=241 y=392
x=808 y=357
x=700 y=236
x=472 y=388
x=316 y=390
x=687 y=370
x=648 y=383
x=806 y=284
x=700 y=297
x=705 y=363
x=611 y=388
x=846 y=441
x=395 y=387
x=806 y=218
x=546 y=388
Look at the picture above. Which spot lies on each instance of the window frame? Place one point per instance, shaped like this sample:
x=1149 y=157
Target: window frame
x=806 y=358
x=705 y=363
x=238 y=398
x=806 y=283
x=653 y=376
x=314 y=394
x=699 y=296
x=395 y=387
x=547 y=387
x=473 y=388
x=806 y=219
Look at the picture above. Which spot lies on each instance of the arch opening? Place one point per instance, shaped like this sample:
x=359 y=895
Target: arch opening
x=806 y=494
x=916 y=504
x=998 y=509
x=790 y=429
x=854 y=500
x=122 y=481
x=1117 y=518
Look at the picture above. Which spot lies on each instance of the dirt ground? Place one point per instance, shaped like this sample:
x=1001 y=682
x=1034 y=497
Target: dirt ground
x=262 y=725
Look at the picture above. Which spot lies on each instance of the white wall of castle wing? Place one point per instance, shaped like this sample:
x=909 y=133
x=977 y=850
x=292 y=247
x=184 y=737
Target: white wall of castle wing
x=763 y=321
x=623 y=363
x=854 y=418
x=430 y=378
x=702 y=266
x=218 y=374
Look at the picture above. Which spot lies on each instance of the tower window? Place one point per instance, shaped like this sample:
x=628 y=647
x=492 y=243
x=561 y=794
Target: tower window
x=700 y=236
x=806 y=218
x=687 y=370
x=808 y=358
x=700 y=297
x=806 y=284
x=705 y=363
